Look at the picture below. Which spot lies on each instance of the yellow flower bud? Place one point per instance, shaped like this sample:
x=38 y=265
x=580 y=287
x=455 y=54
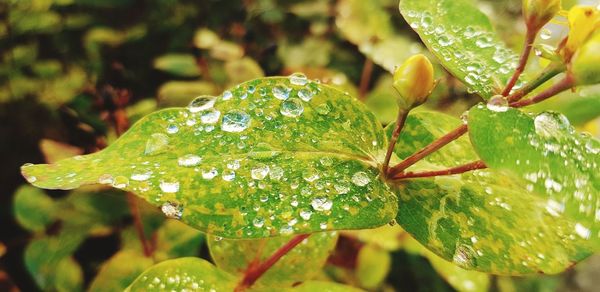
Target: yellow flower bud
x=585 y=67
x=539 y=12
x=583 y=20
x=414 y=81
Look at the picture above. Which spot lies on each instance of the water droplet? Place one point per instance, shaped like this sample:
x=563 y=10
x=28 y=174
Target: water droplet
x=342 y=187
x=464 y=256
x=189 y=160
x=260 y=171
x=291 y=108
x=298 y=79
x=233 y=164
x=323 y=225
x=210 y=116
x=360 y=179
x=276 y=173
x=286 y=230
x=258 y=222
x=310 y=175
x=120 y=182
x=201 y=103
x=210 y=173
x=172 y=129
x=498 y=103
x=323 y=109
x=172 y=210
x=141 y=175
x=281 y=92
x=105 y=179
x=227 y=95
x=305 y=94
x=235 y=121
x=464 y=117
x=169 y=186
x=545 y=34
x=550 y=124
x=228 y=175
x=321 y=204
x=305 y=214
x=582 y=231
x=31 y=179
x=157 y=143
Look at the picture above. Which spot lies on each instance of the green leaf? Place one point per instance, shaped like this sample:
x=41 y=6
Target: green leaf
x=178 y=64
x=579 y=107
x=552 y=161
x=302 y=263
x=464 y=41
x=249 y=158
x=33 y=209
x=482 y=220
x=183 y=273
x=178 y=93
x=176 y=239
x=372 y=266
x=322 y=286
x=118 y=272
x=386 y=237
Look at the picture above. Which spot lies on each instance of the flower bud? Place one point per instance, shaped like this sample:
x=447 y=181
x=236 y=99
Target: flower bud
x=582 y=22
x=539 y=12
x=584 y=65
x=414 y=81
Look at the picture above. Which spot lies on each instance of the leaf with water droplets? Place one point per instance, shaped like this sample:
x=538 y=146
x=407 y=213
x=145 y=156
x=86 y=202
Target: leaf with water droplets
x=464 y=41
x=120 y=270
x=302 y=263
x=193 y=274
x=260 y=152
x=547 y=156
x=482 y=220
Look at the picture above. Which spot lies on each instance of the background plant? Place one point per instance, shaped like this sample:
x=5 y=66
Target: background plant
x=106 y=89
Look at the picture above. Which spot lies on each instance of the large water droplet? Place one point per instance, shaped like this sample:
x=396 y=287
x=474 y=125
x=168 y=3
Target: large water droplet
x=305 y=214
x=210 y=116
x=276 y=173
x=260 y=171
x=281 y=91
x=545 y=34
x=209 y=173
x=227 y=95
x=258 y=222
x=321 y=204
x=360 y=179
x=323 y=109
x=172 y=210
x=105 y=179
x=201 y=103
x=310 y=175
x=498 y=103
x=305 y=94
x=291 y=108
x=156 y=144
x=172 y=129
x=228 y=175
x=141 y=175
x=169 y=185
x=341 y=187
x=189 y=160
x=235 y=121
x=120 y=182
x=550 y=124
x=298 y=79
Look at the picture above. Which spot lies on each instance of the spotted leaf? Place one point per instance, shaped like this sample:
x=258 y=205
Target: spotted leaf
x=482 y=220
x=464 y=41
x=275 y=150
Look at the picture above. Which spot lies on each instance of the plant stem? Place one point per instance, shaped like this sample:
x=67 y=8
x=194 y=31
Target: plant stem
x=402 y=114
x=454 y=170
x=432 y=147
x=548 y=73
x=529 y=39
x=139 y=227
x=365 y=79
x=557 y=88
x=255 y=272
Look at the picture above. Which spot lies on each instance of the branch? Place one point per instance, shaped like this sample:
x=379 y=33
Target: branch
x=255 y=272
x=365 y=78
x=454 y=170
x=557 y=88
x=529 y=39
x=139 y=227
x=548 y=73
x=402 y=114
x=434 y=146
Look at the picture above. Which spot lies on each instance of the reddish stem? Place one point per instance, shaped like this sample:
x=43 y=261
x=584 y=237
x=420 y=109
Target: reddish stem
x=365 y=79
x=434 y=146
x=254 y=272
x=529 y=39
x=399 y=125
x=557 y=88
x=139 y=227
x=454 y=170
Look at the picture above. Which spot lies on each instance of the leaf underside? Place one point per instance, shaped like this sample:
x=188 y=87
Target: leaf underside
x=295 y=157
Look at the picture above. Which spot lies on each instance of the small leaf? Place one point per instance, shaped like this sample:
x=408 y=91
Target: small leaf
x=548 y=158
x=482 y=220
x=275 y=149
x=178 y=64
x=118 y=272
x=33 y=209
x=179 y=93
x=387 y=237
x=322 y=286
x=464 y=41
x=176 y=239
x=373 y=265
x=183 y=273
x=302 y=263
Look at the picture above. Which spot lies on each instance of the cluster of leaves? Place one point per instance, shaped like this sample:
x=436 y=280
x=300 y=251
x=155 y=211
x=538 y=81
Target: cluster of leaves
x=273 y=157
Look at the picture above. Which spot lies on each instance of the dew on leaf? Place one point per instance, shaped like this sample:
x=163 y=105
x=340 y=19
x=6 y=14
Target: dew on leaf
x=323 y=109
x=341 y=187
x=305 y=94
x=464 y=256
x=305 y=214
x=281 y=91
x=156 y=144
x=286 y=230
x=189 y=160
x=298 y=79
x=291 y=108
x=120 y=182
x=258 y=222
x=172 y=210
x=105 y=179
x=550 y=124
x=209 y=174
x=310 y=175
x=498 y=103
x=228 y=175
x=276 y=173
x=582 y=231
x=260 y=171
x=169 y=185
x=321 y=204
x=235 y=121
x=201 y=103
x=227 y=95
x=210 y=116
x=360 y=179
x=172 y=129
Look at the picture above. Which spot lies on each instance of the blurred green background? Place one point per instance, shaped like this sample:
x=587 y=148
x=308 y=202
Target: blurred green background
x=74 y=74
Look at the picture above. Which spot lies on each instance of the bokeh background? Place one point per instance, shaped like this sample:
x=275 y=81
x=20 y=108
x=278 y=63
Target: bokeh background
x=74 y=74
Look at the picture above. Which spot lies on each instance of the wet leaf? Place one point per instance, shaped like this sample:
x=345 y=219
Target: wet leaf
x=464 y=41
x=483 y=220
x=118 y=272
x=178 y=64
x=312 y=157
x=183 y=273
x=302 y=263
x=550 y=159
x=33 y=209
x=579 y=107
